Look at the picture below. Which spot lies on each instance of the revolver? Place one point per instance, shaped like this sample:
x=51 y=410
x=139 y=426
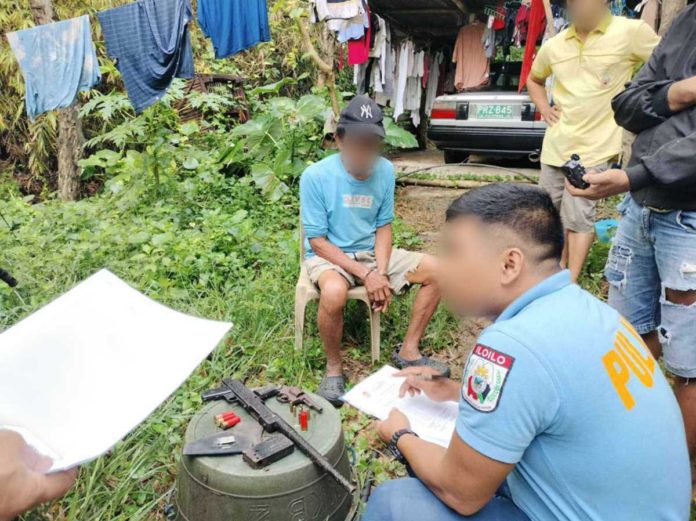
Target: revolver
x=296 y=396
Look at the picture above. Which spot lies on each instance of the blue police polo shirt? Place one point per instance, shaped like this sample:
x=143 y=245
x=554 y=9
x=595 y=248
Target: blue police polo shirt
x=564 y=388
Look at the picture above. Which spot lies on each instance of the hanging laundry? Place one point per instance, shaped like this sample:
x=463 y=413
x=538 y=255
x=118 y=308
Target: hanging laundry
x=388 y=61
x=499 y=21
x=321 y=10
x=405 y=52
x=510 y=26
x=351 y=29
x=234 y=26
x=57 y=61
x=433 y=81
x=488 y=38
x=522 y=24
x=537 y=26
x=470 y=56
x=412 y=98
x=149 y=40
x=359 y=50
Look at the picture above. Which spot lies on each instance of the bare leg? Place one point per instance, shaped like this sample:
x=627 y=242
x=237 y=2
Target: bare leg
x=653 y=342
x=579 y=245
x=334 y=293
x=564 y=255
x=424 y=306
x=685 y=390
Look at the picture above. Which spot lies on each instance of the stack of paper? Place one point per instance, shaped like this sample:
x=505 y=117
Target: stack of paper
x=82 y=372
x=379 y=393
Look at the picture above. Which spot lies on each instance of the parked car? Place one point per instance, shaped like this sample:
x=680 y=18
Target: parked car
x=494 y=121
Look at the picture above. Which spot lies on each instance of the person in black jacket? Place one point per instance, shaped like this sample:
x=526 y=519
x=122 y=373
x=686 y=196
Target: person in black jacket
x=652 y=263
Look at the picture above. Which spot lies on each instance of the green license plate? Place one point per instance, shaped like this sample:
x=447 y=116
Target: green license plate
x=495 y=111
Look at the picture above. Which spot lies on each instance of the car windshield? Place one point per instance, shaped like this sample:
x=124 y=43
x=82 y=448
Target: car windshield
x=505 y=76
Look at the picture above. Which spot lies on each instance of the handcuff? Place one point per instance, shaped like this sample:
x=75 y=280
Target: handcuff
x=394 y=449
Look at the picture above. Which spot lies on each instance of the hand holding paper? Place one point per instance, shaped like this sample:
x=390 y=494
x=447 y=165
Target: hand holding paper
x=376 y=395
x=103 y=346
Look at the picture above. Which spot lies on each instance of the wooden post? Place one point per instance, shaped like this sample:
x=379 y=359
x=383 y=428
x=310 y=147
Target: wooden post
x=326 y=69
x=70 y=138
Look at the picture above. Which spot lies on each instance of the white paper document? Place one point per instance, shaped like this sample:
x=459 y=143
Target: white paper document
x=379 y=393
x=79 y=374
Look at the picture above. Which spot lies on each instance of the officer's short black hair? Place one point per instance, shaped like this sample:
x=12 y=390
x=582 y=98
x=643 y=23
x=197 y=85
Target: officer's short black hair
x=525 y=209
x=340 y=132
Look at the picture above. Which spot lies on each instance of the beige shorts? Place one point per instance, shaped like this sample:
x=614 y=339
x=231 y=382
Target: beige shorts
x=577 y=213
x=401 y=263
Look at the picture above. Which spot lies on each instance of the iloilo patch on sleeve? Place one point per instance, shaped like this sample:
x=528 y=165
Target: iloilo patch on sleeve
x=484 y=377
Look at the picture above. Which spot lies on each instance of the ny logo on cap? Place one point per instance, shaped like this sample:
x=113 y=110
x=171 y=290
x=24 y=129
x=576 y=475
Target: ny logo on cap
x=366 y=112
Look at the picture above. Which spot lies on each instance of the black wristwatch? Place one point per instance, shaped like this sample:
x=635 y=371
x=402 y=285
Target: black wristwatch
x=394 y=449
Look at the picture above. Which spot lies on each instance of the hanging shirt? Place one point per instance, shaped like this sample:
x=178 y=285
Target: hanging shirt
x=536 y=28
x=351 y=29
x=149 y=41
x=321 y=10
x=405 y=51
x=57 y=61
x=470 y=57
x=587 y=76
x=564 y=388
x=359 y=50
x=234 y=26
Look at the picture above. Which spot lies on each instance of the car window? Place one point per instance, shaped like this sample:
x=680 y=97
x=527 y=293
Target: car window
x=505 y=76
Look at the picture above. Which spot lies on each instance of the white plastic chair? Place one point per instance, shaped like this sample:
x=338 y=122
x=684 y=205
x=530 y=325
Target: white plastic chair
x=306 y=291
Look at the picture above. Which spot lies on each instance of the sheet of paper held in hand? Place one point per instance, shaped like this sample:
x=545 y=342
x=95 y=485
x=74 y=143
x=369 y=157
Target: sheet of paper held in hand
x=379 y=393
x=82 y=372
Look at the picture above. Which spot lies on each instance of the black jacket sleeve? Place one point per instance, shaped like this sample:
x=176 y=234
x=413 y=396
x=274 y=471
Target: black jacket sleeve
x=644 y=103
x=673 y=164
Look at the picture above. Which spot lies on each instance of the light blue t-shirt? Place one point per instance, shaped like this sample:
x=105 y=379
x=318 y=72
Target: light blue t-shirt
x=343 y=209
x=57 y=60
x=563 y=387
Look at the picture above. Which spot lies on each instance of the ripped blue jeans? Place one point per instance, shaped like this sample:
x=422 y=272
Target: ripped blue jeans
x=651 y=252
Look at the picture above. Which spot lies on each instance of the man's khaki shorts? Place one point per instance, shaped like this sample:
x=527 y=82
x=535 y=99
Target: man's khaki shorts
x=577 y=213
x=401 y=263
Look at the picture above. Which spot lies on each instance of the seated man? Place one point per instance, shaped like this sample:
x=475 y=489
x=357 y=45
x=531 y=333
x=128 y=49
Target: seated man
x=347 y=203
x=563 y=412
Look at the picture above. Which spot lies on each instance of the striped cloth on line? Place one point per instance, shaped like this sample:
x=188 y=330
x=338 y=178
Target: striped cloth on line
x=149 y=40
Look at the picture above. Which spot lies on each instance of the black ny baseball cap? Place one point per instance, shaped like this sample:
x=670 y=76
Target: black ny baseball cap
x=362 y=116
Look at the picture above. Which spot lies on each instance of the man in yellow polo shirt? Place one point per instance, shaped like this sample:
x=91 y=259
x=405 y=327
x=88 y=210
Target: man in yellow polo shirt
x=590 y=61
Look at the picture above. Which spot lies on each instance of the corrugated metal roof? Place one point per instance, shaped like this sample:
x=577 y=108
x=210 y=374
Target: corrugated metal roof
x=427 y=20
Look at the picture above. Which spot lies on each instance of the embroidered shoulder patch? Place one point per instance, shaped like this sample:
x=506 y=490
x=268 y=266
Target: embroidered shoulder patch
x=484 y=377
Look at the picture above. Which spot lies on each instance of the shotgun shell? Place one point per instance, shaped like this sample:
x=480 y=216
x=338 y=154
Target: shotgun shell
x=304 y=420
x=224 y=420
x=229 y=422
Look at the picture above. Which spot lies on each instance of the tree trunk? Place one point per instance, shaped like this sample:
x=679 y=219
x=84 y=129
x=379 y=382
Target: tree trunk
x=669 y=11
x=70 y=137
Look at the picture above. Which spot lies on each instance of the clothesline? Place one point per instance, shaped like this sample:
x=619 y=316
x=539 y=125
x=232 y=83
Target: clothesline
x=406 y=75
x=58 y=60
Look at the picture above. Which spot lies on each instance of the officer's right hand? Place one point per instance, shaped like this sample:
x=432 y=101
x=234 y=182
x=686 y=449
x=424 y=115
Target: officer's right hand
x=440 y=390
x=23 y=483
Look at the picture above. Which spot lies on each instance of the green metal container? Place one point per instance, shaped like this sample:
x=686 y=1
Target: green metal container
x=225 y=488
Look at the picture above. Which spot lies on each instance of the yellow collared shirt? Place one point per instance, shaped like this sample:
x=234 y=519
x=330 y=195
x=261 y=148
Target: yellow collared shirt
x=587 y=75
